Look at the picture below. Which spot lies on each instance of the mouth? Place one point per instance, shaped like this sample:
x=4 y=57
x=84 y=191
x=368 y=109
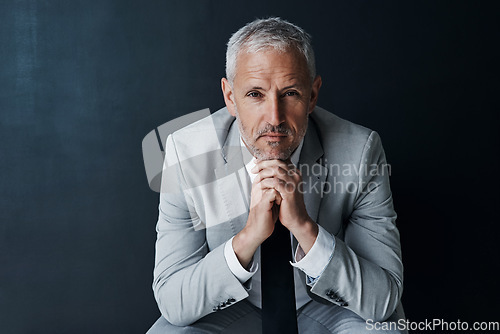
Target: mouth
x=272 y=136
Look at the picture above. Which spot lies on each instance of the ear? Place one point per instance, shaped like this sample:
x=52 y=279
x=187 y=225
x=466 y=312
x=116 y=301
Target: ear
x=227 y=91
x=314 y=93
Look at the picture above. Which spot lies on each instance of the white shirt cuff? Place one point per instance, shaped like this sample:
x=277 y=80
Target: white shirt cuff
x=315 y=261
x=235 y=266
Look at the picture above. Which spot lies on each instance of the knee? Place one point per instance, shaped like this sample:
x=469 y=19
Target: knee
x=337 y=320
x=162 y=326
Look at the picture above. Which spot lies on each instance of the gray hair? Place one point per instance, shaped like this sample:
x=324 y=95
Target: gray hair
x=263 y=34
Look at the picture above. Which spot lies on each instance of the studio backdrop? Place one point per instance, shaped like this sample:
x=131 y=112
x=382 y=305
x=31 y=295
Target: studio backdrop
x=82 y=83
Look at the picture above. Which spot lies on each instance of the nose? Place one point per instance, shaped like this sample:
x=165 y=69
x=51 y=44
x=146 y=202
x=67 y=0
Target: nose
x=274 y=112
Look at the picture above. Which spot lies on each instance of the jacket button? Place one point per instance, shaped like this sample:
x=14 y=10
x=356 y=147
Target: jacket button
x=232 y=300
x=331 y=294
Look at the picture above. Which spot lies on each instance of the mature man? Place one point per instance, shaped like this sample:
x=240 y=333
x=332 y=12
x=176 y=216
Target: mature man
x=270 y=166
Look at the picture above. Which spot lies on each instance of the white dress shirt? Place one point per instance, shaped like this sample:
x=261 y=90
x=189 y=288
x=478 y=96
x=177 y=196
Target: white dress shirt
x=312 y=264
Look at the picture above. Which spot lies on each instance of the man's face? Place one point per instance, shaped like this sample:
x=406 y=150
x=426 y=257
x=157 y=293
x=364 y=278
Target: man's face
x=271 y=97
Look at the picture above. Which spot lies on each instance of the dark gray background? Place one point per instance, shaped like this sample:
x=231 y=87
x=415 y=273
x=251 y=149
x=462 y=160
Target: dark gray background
x=82 y=82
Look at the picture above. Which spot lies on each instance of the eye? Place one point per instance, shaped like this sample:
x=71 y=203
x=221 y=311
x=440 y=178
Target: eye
x=254 y=94
x=292 y=93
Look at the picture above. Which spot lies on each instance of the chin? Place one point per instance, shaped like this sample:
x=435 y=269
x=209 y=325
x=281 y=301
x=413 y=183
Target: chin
x=273 y=154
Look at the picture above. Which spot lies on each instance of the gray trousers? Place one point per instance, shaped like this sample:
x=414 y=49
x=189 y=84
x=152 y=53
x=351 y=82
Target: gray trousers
x=312 y=318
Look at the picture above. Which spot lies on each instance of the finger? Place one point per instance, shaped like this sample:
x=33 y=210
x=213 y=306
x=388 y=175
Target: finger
x=275 y=171
x=265 y=192
x=270 y=183
x=285 y=189
x=272 y=196
x=261 y=164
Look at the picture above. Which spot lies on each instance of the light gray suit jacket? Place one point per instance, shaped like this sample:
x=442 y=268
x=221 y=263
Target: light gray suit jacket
x=203 y=203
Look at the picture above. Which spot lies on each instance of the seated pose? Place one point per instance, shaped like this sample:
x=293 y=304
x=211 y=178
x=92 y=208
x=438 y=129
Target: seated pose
x=276 y=216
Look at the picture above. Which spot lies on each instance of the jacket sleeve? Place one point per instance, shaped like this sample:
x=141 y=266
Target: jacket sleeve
x=190 y=281
x=365 y=273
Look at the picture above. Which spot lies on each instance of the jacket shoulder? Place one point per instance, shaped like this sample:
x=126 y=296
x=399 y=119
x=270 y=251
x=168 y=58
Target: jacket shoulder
x=328 y=122
x=205 y=135
x=341 y=139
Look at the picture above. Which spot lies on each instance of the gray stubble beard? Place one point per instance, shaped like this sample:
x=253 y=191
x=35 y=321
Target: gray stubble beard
x=256 y=152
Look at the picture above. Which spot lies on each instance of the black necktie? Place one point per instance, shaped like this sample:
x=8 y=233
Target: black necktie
x=278 y=290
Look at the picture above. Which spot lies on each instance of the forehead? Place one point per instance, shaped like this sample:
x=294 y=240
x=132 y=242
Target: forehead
x=271 y=64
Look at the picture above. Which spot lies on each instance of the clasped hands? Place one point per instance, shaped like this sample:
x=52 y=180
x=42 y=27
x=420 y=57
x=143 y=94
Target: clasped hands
x=276 y=194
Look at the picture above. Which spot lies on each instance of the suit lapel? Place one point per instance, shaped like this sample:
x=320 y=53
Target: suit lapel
x=314 y=175
x=313 y=172
x=230 y=179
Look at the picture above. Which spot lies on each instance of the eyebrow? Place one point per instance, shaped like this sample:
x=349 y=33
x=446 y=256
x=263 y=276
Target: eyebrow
x=284 y=88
